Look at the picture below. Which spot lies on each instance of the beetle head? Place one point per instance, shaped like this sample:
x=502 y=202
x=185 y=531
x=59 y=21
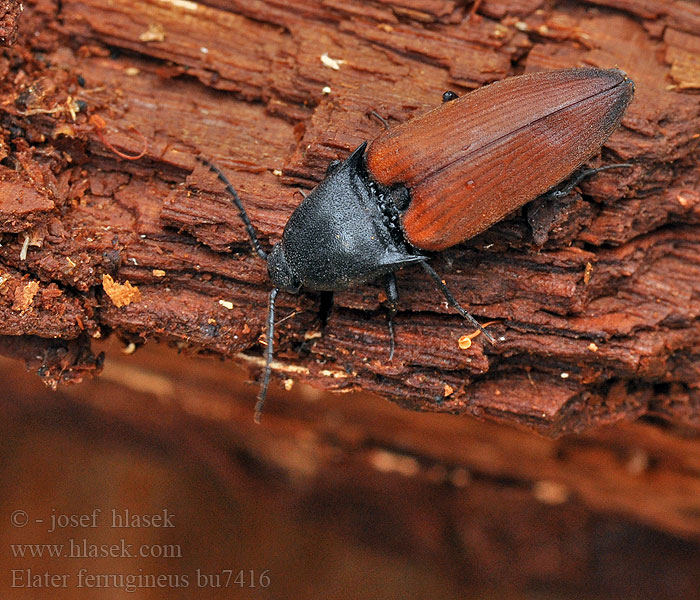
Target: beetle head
x=279 y=271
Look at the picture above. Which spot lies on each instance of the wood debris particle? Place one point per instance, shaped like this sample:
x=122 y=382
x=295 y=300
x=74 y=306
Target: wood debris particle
x=154 y=33
x=685 y=68
x=588 y=272
x=24 y=296
x=25 y=247
x=121 y=294
x=550 y=492
x=638 y=462
x=387 y=462
x=460 y=477
x=331 y=63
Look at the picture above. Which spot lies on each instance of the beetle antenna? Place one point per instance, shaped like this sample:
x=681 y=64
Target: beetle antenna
x=268 y=356
x=237 y=201
x=452 y=302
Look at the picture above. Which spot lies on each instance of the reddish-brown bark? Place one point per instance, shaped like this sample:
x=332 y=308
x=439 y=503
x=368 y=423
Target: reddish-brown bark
x=597 y=298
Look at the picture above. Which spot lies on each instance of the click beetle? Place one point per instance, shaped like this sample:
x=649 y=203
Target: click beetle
x=437 y=180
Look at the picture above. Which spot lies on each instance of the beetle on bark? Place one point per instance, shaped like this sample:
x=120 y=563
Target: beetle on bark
x=438 y=180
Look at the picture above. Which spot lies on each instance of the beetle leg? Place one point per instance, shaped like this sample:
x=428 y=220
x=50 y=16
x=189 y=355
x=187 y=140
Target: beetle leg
x=325 y=307
x=392 y=296
x=268 y=355
x=383 y=121
x=440 y=284
x=579 y=177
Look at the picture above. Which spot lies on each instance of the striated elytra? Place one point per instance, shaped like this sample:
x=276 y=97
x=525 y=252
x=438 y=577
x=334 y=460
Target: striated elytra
x=437 y=180
x=476 y=159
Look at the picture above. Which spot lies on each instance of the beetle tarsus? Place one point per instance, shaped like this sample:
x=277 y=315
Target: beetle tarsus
x=453 y=303
x=269 y=353
x=580 y=176
x=237 y=201
x=392 y=343
x=379 y=117
x=392 y=296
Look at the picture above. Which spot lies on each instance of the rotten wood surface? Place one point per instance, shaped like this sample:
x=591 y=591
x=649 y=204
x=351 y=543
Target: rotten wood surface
x=596 y=298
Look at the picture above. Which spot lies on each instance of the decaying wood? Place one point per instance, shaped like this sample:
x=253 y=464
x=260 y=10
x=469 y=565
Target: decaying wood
x=9 y=15
x=596 y=298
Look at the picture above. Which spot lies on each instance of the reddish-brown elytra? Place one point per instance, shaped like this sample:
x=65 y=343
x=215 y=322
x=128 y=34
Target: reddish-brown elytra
x=474 y=160
x=438 y=180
